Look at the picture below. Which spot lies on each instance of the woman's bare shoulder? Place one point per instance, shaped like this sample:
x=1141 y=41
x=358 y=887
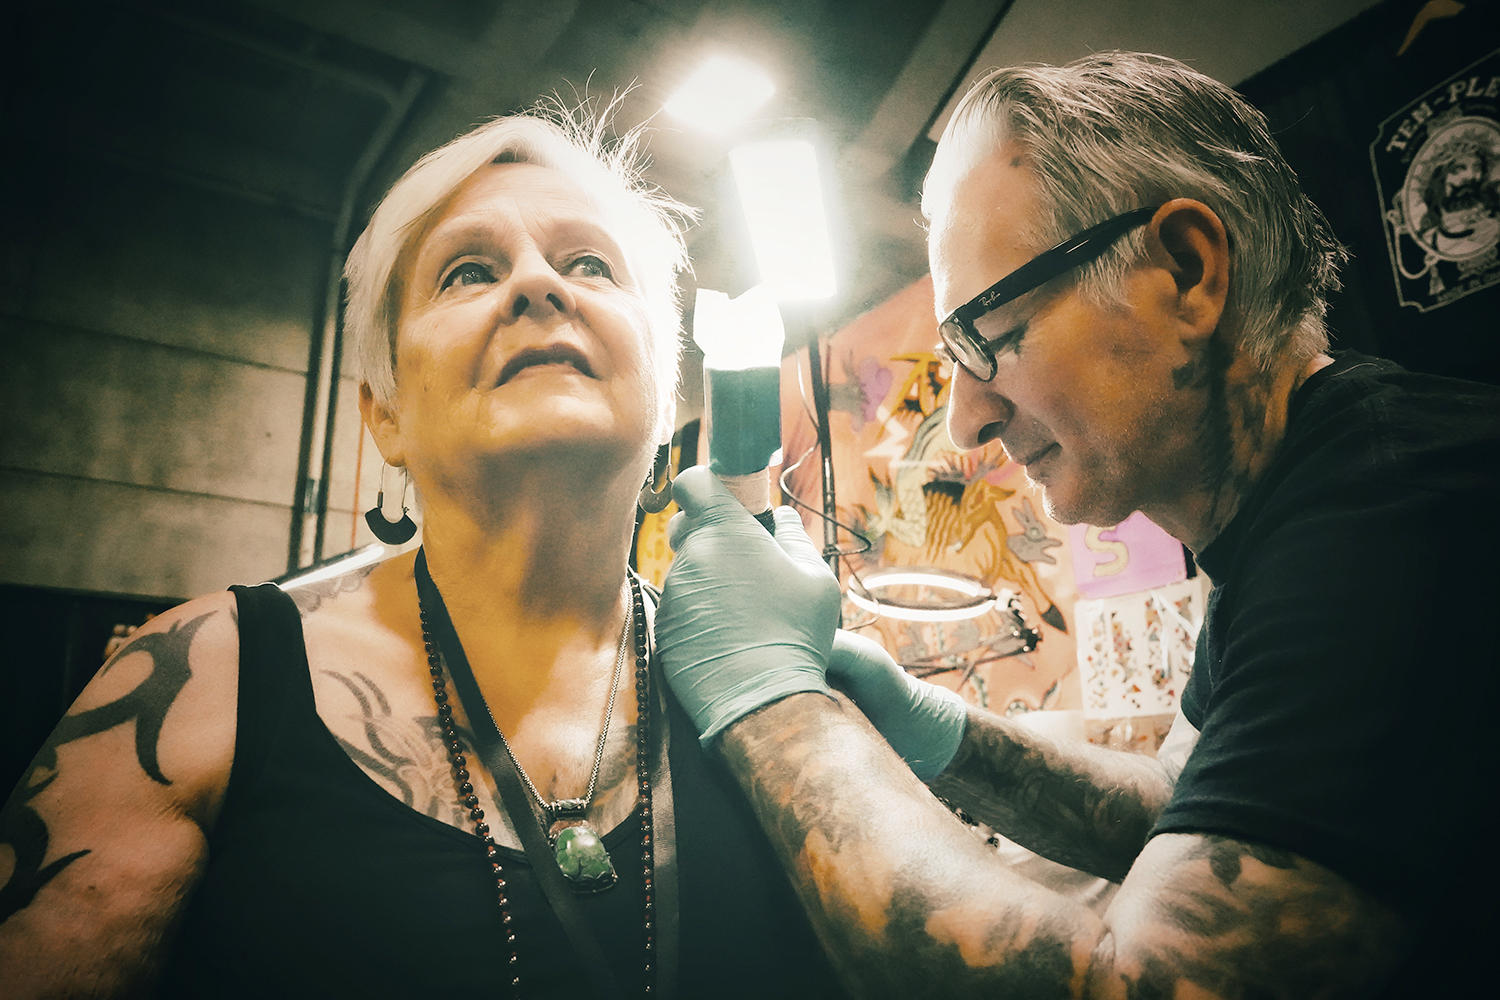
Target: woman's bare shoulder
x=363 y=620
x=372 y=590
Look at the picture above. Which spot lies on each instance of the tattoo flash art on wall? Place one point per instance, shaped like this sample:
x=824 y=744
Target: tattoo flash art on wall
x=1437 y=172
x=1135 y=653
x=1133 y=556
x=922 y=504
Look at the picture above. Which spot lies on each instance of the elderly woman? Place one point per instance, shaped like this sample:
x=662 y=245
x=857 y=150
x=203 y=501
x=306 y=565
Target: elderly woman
x=455 y=771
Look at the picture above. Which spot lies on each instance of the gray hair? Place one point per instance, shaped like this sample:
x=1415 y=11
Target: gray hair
x=1117 y=131
x=648 y=224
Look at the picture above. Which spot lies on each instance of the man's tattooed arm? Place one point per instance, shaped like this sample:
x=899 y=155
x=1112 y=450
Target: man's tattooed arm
x=104 y=836
x=910 y=904
x=1080 y=805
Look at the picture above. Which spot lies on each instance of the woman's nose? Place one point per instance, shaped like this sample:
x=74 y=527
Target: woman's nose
x=536 y=289
x=978 y=412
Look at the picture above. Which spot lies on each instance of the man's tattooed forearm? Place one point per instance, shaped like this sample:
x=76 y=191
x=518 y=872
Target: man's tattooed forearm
x=1090 y=810
x=892 y=928
x=908 y=904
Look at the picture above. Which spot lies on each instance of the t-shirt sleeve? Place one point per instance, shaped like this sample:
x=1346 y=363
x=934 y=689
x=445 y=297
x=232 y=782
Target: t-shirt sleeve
x=1344 y=715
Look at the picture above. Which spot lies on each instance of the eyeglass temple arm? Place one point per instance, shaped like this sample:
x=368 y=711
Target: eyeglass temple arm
x=1050 y=263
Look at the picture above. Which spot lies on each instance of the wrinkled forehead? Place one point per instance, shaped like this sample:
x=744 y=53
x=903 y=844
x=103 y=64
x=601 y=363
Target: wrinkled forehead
x=529 y=193
x=539 y=196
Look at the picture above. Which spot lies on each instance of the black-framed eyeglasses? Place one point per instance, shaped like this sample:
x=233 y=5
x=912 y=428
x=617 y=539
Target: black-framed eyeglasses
x=976 y=353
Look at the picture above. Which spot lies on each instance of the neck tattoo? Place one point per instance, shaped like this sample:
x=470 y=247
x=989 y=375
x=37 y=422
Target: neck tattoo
x=578 y=849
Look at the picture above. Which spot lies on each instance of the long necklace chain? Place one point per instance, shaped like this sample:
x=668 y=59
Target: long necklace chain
x=643 y=744
x=580 y=805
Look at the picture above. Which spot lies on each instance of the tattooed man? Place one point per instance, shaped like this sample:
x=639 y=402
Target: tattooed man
x=1302 y=833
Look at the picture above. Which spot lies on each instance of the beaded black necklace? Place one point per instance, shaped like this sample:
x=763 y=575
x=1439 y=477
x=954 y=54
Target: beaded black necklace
x=436 y=656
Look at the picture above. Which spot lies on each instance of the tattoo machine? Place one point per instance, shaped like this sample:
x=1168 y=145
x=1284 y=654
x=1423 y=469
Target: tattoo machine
x=741 y=340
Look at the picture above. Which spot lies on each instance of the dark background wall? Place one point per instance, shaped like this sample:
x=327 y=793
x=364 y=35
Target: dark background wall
x=1335 y=105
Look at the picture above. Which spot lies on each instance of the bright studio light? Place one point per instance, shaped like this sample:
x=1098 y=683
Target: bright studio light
x=782 y=195
x=720 y=94
x=736 y=334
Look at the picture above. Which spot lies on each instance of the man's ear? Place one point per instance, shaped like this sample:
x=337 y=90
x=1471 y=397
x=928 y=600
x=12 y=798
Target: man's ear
x=1187 y=239
x=383 y=426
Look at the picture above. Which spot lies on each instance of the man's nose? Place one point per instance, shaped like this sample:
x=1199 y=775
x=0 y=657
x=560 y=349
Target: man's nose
x=978 y=412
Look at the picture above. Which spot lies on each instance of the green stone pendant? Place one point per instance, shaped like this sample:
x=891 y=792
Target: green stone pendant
x=582 y=857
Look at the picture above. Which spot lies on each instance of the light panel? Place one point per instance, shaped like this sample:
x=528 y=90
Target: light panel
x=781 y=193
x=720 y=95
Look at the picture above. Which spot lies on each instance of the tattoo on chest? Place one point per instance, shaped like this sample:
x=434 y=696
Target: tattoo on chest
x=401 y=752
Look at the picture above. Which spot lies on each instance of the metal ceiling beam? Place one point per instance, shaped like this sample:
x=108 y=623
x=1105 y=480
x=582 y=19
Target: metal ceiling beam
x=954 y=37
x=509 y=36
x=358 y=82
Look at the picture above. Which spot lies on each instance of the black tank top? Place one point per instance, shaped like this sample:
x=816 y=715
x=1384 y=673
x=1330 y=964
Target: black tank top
x=321 y=883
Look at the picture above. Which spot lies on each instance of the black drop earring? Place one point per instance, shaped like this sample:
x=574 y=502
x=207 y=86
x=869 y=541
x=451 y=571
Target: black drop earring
x=390 y=532
x=657 y=492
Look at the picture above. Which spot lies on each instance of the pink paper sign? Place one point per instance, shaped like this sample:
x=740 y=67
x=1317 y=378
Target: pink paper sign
x=1134 y=555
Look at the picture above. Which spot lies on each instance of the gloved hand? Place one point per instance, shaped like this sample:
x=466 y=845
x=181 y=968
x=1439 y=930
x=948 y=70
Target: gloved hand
x=745 y=618
x=922 y=722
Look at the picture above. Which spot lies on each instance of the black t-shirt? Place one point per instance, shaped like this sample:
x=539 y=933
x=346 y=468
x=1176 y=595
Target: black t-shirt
x=1344 y=683
x=322 y=884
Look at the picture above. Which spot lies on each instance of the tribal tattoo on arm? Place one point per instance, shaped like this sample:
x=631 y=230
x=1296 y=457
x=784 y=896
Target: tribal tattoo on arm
x=25 y=833
x=909 y=904
x=22 y=828
x=1087 y=807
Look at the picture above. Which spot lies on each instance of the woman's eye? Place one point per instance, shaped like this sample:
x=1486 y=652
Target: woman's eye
x=470 y=272
x=589 y=266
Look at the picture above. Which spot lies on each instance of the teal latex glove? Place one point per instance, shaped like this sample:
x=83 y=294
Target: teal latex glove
x=922 y=722
x=745 y=618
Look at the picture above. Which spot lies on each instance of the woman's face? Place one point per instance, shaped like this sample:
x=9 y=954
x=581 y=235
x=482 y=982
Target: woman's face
x=521 y=333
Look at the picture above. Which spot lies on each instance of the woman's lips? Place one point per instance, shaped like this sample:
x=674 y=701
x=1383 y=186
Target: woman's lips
x=538 y=356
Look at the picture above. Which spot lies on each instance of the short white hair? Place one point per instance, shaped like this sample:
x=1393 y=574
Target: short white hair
x=649 y=225
x=1117 y=131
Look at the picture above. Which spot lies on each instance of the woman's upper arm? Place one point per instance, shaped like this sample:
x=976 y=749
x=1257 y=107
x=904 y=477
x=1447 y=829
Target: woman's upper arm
x=1237 y=919
x=105 y=836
